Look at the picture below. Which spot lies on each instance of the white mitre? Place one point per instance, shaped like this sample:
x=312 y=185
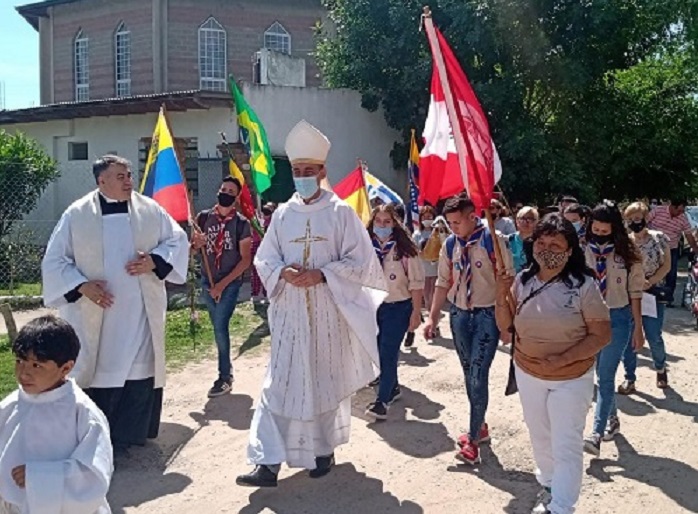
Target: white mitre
x=307 y=144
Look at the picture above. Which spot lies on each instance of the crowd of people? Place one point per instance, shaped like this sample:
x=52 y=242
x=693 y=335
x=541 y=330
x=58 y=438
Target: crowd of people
x=576 y=291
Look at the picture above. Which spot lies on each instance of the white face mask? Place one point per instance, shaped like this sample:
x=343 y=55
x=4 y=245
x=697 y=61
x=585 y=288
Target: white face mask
x=428 y=223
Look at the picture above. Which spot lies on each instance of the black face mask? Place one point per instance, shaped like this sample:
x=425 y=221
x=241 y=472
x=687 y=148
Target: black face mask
x=637 y=226
x=225 y=200
x=601 y=240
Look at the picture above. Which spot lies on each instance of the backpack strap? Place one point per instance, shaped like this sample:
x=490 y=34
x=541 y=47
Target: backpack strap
x=450 y=245
x=202 y=218
x=486 y=242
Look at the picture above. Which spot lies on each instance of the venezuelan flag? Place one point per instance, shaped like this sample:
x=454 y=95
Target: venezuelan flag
x=162 y=180
x=413 y=171
x=352 y=189
x=254 y=136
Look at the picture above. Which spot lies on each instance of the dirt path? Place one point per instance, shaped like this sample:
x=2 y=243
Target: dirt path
x=23 y=317
x=406 y=465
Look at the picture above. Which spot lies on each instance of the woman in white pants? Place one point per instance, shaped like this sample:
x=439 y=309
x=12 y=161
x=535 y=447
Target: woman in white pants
x=561 y=322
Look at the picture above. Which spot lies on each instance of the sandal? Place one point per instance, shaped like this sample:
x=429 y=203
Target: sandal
x=627 y=387
x=662 y=380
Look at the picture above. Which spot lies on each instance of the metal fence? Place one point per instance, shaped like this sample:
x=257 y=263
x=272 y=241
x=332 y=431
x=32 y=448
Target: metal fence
x=23 y=241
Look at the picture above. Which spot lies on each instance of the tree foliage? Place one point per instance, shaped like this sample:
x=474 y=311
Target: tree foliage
x=590 y=97
x=25 y=172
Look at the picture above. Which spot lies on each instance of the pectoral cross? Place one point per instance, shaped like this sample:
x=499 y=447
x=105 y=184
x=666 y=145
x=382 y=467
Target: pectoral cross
x=308 y=240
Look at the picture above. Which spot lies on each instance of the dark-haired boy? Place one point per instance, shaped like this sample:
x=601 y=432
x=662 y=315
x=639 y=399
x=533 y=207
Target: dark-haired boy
x=467 y=279
x=578 y=215
x=227 y=241
x=55 y=451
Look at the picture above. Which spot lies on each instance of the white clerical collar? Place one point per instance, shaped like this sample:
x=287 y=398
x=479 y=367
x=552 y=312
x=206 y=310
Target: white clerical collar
x=48 y=396
x=109 y=200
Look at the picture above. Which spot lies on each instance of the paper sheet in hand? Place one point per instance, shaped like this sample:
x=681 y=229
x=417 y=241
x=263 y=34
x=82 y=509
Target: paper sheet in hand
x=649 y=305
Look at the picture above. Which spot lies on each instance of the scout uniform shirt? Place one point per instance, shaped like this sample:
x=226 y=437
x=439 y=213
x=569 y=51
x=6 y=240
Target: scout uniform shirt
x=403 y=276
x=622 y=285
x=484 y=283
x=554 y=321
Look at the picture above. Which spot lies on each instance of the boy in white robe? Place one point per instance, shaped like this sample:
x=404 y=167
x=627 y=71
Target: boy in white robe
x=55 y=452
x=324 y=284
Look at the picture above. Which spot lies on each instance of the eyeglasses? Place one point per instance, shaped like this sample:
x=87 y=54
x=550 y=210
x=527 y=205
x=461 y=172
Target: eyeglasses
x=527 y=219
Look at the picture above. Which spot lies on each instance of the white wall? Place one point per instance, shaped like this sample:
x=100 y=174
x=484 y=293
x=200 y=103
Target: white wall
x=353 y=131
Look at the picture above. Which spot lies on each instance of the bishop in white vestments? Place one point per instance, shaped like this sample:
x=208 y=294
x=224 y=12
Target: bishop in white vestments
x=325 y=284
x=104 y=269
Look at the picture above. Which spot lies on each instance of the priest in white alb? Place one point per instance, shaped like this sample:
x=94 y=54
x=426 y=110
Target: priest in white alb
x=325 y=284
x=105 y=269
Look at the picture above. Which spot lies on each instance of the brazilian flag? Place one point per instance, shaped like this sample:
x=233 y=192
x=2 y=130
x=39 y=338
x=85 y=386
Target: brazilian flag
x=254 y=136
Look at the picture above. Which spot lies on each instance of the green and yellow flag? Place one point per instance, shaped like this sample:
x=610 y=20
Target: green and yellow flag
x=254 y=136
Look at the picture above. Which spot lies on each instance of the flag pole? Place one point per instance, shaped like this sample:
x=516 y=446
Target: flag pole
x=192 y=222
x=458 y=136
x=253 y=222
x=364 y=168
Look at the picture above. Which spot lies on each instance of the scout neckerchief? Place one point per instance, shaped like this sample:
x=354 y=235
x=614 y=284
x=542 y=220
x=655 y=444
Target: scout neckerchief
x=383 y=249
x=220 y=237
x=601 y=256
x=466 y=266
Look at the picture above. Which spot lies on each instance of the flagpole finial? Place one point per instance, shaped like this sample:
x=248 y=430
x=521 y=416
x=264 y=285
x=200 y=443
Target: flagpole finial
x=426 y=13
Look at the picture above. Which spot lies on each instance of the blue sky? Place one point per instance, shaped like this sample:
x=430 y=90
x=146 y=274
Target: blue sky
x=19 y=57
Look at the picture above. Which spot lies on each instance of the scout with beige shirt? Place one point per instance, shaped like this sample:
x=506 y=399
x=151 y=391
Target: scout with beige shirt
x=467 y=278
x=401 y=310
x=561 y=323
x=618 y=265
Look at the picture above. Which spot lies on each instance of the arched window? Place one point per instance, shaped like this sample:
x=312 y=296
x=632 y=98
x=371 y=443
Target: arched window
x=212 y=56
x=122 y=60
x=277 y=38
x=81 y=67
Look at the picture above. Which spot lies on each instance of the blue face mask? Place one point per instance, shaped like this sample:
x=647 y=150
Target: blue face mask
x=383 y=233
x=577 y=225
x=306 y=186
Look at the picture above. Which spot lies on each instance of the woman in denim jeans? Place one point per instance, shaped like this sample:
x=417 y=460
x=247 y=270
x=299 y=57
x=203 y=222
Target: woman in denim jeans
x=618 y=265
x=656 y=261
x=401 y=310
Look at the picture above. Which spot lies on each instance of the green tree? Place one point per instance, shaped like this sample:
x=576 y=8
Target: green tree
x=25 y=172
x=564 y=84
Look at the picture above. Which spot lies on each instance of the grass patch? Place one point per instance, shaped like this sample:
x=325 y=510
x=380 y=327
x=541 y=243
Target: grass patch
x=248 y=331
x=22 y=289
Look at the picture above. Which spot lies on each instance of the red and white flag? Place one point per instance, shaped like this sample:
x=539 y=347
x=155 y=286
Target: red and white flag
x=441 y=175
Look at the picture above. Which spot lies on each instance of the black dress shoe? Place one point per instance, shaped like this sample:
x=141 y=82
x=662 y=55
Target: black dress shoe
x=409 y=340
x=323 y=465
x=261 y=476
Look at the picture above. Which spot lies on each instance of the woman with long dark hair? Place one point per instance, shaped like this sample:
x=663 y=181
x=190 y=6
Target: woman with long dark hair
x=401 y=310
x=618 y=265
x=561 y=323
